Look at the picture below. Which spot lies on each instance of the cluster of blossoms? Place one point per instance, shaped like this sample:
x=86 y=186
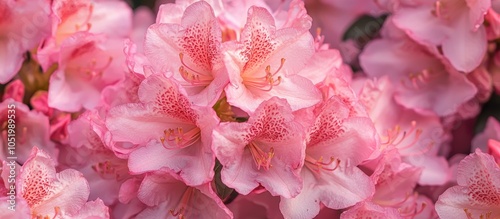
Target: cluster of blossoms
x=244 y=109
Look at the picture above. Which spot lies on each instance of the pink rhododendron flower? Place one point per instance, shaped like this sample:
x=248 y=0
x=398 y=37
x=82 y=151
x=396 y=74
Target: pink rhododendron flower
x=455 y=26
x=167 y=195
x=81 y=76
x=30 y=129
x=238 y=109
x=191 y=51
x=337 y=142
x=268 y=150
x=23 y=25
x=51 y=194
x=112 y=18
x=420 y=74
x=477 y=192
x=172 y=131
x=260 y=65
x=94 y=159
x=417 y=138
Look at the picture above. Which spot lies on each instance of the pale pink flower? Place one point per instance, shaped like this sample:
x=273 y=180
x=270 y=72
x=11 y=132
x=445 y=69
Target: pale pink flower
x=423 y=81
x=416 y=137
x=31 y=129
x=51 y=194
x=191 y=52
x=112 y=18
x=337 y=142
x=167 y=196
x=477 y=193
x=23 y=25
x=87 y=153
x=172 y=132
x=267 y=150
x=265 y=63
x=454 y=25
x=395 y=182
x=87 y=64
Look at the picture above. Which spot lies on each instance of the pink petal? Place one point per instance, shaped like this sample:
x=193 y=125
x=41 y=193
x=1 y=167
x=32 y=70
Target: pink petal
x=477 y=10
x=435 y=170
x=272 y=128
x=337 y=189
x=154 y=157
x=92 y=210
x=465 y=48
x=11 y=58
x=44 y=190
x=428 y=30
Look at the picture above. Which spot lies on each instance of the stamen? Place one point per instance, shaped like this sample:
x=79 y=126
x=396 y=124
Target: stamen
x=437 y=9
x=267 y=82
x=183 y=204
x=192 y=76
x=417 y=79
x=57 y=212
x=261 y=158
x=176 y=138
x=318 y=165
x=395 y=139
x=109 y=170
x=482 y=216
x=86 y=23
x=92 y=71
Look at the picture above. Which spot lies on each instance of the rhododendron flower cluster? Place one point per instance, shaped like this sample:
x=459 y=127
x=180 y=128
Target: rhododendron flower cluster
x=220 y=109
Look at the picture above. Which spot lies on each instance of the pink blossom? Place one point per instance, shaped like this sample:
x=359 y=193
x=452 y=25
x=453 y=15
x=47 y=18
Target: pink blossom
x=260 y=65
x=112 y=18
x=267 y=150
x=190 y=51
x=172 y=132
x=416 y=137
x=51 y=194
x=31 y=129
x=23 y=25
x=337 y=142
x=166 y=194
x=422 y=80
x=455 y=26
x=477 y=192
x=81 y=77
x=88 y=153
